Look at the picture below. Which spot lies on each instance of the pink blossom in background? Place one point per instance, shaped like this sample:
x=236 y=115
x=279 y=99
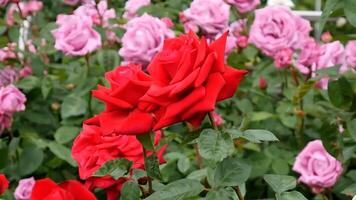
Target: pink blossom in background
x=11 y=99
x=7 y=52
x=8 y=76
x=309 y=54
x=326 y=37
x=31 y=47
x=132 y=6
x=283 y=58
x=75 y=35
x=218 y=119
x=26 y=71
x=331 y=54
x=262 y=83
x=24 y=189
x=318 y=169
x=168 y=22
x=350 y=53
x=244 y=6
x=211 y=16
x=276 y=28
x=99 y=14
x=242 y=41
x=3 y=3
x=238 y=27
x=5 y=121
x=71 y=2
x=143 y=38
x=27 y=8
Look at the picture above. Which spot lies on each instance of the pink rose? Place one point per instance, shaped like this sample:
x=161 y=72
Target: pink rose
x=244 y=6
x=132 y=6
x=8 y=76
x=143 y=38
x=283 y=58
x=11 y=99
x=3 y=3
x=211 y=16
x=24 y=189
x=309 y=54
x=75 y=35
x=331 y=54
x=318 y=169
x=235 y=38
x=276 y=28
x=5 y=121
x=351 y=54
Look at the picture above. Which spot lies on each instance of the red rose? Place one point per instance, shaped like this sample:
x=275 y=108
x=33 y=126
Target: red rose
x=68 y=190
x=4 y=184
x=189 y=77
x=92 y=148
x=128 y=85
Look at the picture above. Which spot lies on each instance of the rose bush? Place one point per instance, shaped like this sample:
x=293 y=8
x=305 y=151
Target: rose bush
x=177 y=99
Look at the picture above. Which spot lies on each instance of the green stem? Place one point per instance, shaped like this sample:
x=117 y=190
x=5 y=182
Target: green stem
x=150 y=189
x=87 y=65
x=239 y=193
x=300 y=123
x=212 y=122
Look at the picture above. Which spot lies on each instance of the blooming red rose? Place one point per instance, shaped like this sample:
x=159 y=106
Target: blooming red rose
x=128 y=85
x=189 y=77
x=4 y=184
x=68 y=190
x=92 y=148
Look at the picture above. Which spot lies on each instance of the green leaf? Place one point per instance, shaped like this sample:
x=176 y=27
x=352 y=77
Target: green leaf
x=260 y=116
x=329 y=8
x=350 y=8
x=108 y=58
x=350 y=190
x=46 y=87
x=30 y=160
x=66 y=134
x=152 y=167
x=198 y=175
x=340 y=93
x=146 y=141
x=222 y=194
x=183 y=164
x=115 y=168
x=257 y=136
x=62 y=152
x=28 y=83
x=294 y=195
x=178 y=190
x=351 y=127
x=73 y=106
x=130 y=191
x=215 y=146
x=231 y=172
x=280 y=183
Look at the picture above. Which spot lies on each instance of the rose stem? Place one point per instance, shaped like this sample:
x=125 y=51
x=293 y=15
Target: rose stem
x=294 y=75
x=87 y=59
x=213 y=124
x=238 y=192
x=197 y=154
x=150 y=190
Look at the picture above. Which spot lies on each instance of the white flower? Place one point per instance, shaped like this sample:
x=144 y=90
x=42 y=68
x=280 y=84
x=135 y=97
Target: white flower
x=288 y=3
